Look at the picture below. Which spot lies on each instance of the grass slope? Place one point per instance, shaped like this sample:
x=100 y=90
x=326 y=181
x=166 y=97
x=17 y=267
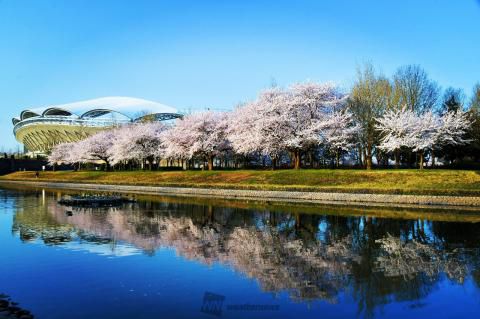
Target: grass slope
x=433 y=182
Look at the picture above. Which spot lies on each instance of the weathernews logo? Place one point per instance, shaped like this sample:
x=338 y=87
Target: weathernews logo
x=213 y=305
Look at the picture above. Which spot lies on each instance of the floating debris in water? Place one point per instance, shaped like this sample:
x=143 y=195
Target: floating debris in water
x=94 y=201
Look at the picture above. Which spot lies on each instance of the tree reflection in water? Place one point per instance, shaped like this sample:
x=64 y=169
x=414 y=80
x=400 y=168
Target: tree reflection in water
x=310 y=256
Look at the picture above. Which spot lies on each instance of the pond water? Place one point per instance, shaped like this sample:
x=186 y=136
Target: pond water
x=167 y=257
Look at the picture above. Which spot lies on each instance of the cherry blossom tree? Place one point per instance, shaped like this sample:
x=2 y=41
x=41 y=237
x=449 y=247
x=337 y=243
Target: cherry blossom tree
x=450 y=129
x=453 y=127
x=284 y=120
x=307 y=104
x=122 y=138
x=299 y=120
x=201 y=135
x=139 y=142
x=176 y=145
x=243 y=131
x=60 y=154
x=259 y=127
x=422 y=132
x=395 y=127
x=68 y=153
x=96 y=147
x=338 y=131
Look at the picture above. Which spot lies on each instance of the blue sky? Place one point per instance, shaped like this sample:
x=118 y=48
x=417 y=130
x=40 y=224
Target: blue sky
x=198 y=54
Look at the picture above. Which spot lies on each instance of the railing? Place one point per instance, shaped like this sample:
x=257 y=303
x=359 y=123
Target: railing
x=159 y=117
x=67 y=120
x=90 y=122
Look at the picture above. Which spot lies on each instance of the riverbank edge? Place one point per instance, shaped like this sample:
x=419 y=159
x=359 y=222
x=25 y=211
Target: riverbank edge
x=312 y=197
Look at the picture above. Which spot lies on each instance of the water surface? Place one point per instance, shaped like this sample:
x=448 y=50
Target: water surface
x=191 y=258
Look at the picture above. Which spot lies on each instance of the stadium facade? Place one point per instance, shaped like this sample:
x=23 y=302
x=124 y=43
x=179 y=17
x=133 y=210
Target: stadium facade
x=39 y=129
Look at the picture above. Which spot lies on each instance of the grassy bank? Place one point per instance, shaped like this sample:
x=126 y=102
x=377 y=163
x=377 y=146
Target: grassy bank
x=430 y=182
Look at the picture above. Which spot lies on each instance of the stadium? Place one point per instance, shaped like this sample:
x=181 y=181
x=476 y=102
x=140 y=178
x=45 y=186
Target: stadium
x=39 y=129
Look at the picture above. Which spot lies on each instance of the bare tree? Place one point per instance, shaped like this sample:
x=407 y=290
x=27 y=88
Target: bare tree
x=475 y=101
x=368 y=100
x=413 y=89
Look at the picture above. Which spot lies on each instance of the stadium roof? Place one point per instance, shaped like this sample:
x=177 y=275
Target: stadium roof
x=130 y=107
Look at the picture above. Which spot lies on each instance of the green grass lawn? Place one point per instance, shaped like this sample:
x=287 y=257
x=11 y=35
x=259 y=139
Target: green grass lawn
x=435 y=182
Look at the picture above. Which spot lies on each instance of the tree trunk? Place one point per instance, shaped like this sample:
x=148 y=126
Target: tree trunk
x=360 y=155
x=274 y=163
x=210 y=163
x=296 y=157
x=364 y=152
x=421 y=159
x=397 y=158
x=368 y=157
x=433 y=158
x=337 y=158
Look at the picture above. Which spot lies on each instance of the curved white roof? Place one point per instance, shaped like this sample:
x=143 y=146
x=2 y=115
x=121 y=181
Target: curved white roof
x=128 y=106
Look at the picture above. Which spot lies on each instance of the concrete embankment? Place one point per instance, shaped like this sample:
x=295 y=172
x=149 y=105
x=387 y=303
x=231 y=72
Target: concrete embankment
x=285 y=196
